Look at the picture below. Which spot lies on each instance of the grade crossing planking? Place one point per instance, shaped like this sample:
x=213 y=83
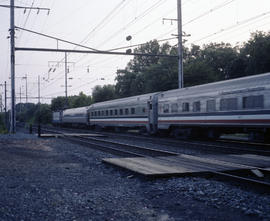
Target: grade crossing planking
x=71 y=135
x=184 y=164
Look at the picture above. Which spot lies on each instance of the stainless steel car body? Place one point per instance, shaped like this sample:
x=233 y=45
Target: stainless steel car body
x=242 y=102
x=57 y=117
x=75 y=116
x=125 y=112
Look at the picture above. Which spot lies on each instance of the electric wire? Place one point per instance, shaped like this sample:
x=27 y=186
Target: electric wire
x=233 y=26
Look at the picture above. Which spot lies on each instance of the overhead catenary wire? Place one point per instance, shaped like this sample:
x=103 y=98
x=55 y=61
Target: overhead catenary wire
x=101 y=23
x=233 y=26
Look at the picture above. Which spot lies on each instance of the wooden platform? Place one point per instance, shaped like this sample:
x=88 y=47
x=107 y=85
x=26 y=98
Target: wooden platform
x=72 y=135
x=184 y=164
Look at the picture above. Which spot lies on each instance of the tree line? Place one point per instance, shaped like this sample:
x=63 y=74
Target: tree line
x=202 y=64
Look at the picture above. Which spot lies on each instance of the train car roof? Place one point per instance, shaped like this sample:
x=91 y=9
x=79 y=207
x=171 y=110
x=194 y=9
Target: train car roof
x=76 y=110
x=231 y=86
x=127 y=100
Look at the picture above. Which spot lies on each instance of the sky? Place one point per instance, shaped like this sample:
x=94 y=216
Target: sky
x=104 y=25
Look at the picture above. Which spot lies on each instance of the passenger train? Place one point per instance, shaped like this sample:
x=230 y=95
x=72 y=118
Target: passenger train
x=237 y=105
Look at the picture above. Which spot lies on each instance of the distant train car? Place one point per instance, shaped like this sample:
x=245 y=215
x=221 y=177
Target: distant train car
x=237 y=105
x=57 y=118
x=75 y=116
x=131 y=112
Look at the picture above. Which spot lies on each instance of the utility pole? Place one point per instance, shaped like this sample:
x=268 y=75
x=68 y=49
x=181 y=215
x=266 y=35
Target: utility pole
x=26 y=96
x=1 y=103
x=180 y=46
x=6 y=104
x=12 y=66
x=38 y=89
x=66 y=71
x=20 y=100
x=39 y=128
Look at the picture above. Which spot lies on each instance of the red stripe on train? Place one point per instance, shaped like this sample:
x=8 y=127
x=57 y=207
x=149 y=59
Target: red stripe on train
x=217 y=121
x=120 y=122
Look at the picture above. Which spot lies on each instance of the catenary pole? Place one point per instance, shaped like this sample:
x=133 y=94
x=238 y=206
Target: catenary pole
x=26 y=96
x=12 y=67
x=1 y=103
x=180 y=46
x=66 y=70
x=38 y=89
x=6 y=104
x=20 y=100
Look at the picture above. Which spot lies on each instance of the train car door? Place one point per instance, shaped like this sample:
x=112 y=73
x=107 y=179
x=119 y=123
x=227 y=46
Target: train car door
x=152 y=106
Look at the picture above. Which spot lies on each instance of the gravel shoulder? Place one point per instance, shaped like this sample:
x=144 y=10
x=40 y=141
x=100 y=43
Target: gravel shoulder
x=52 y=179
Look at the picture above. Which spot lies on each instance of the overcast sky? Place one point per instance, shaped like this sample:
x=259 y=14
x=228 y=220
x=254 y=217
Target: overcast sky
x=104 y=25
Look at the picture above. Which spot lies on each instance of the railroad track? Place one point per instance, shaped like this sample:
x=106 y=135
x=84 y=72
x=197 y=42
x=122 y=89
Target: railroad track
x=220 y=146
x=258 y=177
x=115 y=147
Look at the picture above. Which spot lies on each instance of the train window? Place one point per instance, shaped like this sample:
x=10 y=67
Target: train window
x=107 y=112
x=143 y=110
x=228 y=104
x=95 y=113
x=210 y=105
x=111 y=112
x=185 y=107
x=196 y=106
x=166 y=108
x=92 y=113
x=174 y=108
x=115 y=112
x=121 y=111
x=126 y=111
x=99 y=113
x=251 y=102
x=132 y=110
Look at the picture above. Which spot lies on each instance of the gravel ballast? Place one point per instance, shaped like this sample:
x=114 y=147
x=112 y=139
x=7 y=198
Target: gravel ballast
x=52 y=179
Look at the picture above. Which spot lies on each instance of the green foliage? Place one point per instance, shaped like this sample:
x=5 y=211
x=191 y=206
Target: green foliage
x=145 y=74
x=32 y=113
x=107 y=92
x=255 y=54
x=81 y=100
x=209 y=63
x=3 y=129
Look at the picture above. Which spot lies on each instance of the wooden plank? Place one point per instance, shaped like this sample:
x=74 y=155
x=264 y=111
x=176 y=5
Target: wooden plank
x=147 y=166
x=160 y=166
x=216 y=162
x=254 y=156
x=191 y=164
x=204 y=163
x=183 y=163
x=86 y=135
x=127 y=164
x=71 y=135
x=51 y=135
x=245 y=159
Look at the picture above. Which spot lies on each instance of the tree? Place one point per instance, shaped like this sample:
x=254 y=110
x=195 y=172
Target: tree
x=145 y=74
x=81 y=100
x=107 y=92
x=255 y=53
x=43 y=113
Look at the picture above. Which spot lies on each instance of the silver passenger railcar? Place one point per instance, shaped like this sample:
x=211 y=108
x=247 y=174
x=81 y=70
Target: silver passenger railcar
x=57 y=118
x=237 y=105
x=131 y=112
x=75 y=116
